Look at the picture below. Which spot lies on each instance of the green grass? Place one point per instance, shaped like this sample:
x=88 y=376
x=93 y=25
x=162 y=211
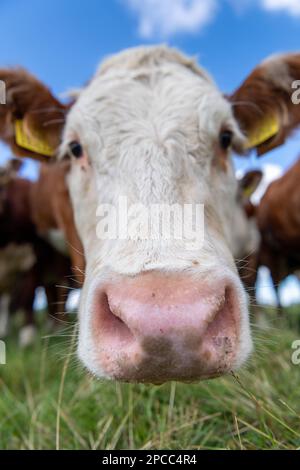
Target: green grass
x=48 y=401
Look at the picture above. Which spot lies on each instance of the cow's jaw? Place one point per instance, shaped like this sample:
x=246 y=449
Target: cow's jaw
x=152 y=311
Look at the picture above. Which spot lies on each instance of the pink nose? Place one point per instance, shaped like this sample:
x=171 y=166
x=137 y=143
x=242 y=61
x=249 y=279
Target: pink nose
x=156 y=327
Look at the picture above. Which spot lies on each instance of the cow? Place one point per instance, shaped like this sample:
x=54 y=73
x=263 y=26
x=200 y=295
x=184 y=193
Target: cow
x=27 y=261
x=15 y=263
x=151 y=128
x=278 y=219
x=247 y=233
x=262 y=226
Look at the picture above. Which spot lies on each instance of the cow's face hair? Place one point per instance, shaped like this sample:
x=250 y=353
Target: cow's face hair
x=152 y=127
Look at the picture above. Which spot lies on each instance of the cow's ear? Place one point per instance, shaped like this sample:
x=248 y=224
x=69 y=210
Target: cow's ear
x=249 y=183
x=267 y=104
x=31 y=118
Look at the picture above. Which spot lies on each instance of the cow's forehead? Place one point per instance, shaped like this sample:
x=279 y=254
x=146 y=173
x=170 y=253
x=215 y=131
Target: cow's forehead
x=140 y=58
x=147 y=71
x=146 y=90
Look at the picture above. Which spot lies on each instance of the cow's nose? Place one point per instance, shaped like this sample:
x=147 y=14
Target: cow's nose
x=155 y=327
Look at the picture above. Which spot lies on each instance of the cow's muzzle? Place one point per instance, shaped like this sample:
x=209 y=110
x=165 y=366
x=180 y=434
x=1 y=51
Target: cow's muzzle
x=158 y=327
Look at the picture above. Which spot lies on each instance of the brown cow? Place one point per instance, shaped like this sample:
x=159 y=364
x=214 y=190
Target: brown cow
x=51 y=206
x=273 y=250
x=248 y=234
x=16 y=262
x=26 y=259
x=278 y=219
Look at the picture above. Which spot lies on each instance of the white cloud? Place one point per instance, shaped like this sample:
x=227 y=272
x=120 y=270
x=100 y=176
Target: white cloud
x=290 y=6
x=164 y=18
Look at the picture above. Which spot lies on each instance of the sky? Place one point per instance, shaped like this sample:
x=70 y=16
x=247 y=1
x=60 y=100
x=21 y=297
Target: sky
x=63 y=41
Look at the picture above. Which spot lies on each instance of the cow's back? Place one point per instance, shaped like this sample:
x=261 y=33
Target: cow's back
x=278 y=214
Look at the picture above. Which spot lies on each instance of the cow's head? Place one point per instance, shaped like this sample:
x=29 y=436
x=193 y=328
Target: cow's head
x=152 y=128
x=246 y=234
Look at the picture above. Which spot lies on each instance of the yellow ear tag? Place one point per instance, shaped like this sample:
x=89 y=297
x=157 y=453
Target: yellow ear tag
x=248 y=191
x=265 y=131
x=34 y=142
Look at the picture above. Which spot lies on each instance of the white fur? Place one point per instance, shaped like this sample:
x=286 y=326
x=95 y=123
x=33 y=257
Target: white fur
x=150 y=121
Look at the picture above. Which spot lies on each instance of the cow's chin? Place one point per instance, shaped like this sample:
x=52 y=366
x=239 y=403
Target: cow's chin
x=157 y=327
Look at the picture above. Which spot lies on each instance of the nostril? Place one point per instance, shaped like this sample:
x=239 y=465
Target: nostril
x=110 y=322
x=222 y=330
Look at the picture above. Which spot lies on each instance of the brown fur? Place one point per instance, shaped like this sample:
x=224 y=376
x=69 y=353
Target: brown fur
x=264 y=94
x=278 y=219
x=52 y=209
x=49 y=267
x=278 y=214
x=29 y=99
x=14 y=259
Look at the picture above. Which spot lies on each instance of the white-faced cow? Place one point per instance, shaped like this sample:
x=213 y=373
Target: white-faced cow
x=152 y=127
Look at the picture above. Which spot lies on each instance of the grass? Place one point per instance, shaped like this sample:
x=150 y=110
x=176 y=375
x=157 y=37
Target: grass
x=47 y=401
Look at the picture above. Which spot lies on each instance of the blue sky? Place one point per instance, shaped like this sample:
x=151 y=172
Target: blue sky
x=62 y=42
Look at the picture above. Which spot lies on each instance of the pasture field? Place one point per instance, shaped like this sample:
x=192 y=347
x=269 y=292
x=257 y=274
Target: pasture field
x=47 y=401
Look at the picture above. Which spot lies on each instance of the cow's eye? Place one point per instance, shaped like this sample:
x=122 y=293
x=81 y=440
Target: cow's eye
x=75 y=149
x=226 y=139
